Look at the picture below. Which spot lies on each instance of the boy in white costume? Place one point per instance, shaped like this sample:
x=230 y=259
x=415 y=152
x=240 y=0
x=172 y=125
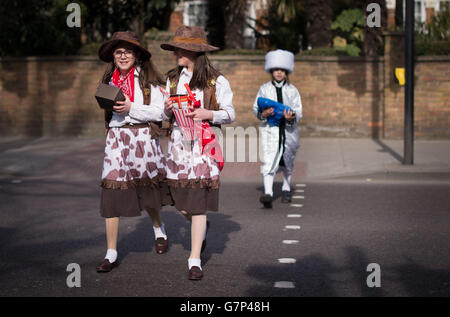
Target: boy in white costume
x=280 y=142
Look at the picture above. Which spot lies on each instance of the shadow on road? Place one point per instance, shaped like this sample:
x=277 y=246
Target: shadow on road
x=387 y=149
x=420 y=281
x=315 y=275
x=310 y=275
x=179 y=233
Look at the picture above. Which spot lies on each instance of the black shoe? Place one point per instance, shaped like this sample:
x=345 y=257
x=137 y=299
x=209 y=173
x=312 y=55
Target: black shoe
x=206 y=235
x=286 y=197
x=266 y=200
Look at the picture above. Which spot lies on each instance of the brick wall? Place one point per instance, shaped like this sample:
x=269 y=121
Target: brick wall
x=340 y=96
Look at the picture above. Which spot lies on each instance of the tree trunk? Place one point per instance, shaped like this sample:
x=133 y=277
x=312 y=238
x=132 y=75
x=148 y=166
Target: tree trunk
x=399 y=13
x=373 y=36
x=318 y=26
x=235 y=21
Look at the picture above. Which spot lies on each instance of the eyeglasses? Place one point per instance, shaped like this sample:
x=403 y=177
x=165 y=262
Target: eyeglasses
x=128 y=53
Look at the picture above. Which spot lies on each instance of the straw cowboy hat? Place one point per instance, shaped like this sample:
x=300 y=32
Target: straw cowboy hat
x=119 y=38
x=191 y=38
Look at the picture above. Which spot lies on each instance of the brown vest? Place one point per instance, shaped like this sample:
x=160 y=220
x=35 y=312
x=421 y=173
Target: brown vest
x=209 y=97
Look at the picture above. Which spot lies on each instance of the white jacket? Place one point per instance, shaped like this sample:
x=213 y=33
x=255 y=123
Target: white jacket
x=140 y=113
x=270 y=135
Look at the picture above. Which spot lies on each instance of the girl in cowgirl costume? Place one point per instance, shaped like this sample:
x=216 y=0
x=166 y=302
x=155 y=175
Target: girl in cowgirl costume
x=134 y=165
x=192 y=172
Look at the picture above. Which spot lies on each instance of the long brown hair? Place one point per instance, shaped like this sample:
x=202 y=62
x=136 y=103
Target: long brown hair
x=147 y=75
x=202 y=74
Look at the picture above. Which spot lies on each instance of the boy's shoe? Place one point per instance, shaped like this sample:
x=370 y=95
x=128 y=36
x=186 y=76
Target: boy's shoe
x=286 y=197
x=266 y=200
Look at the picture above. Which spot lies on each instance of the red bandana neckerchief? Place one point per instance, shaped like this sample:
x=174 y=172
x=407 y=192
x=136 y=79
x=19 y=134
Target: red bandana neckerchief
x=126 y=83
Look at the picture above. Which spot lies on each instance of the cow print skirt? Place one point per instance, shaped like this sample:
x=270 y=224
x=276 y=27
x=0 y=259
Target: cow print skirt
x=134 y=172
x=193 y=177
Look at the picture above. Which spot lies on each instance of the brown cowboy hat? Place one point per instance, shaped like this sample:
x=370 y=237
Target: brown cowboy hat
x=190 y=38
x=119 y=38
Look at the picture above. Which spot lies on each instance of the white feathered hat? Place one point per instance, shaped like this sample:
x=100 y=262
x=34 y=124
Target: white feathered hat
x=280 y=59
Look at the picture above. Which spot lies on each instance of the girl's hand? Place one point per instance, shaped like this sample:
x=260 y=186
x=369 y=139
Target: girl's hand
x=201 y=114
x=123 y=106
x=267 y=113
x=168 y=106
x=289 y=115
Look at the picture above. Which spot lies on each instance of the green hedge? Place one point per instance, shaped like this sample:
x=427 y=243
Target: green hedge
x=425 y=47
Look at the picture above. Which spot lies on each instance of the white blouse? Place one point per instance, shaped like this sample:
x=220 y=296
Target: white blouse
x=224 y=97
x=140 y=113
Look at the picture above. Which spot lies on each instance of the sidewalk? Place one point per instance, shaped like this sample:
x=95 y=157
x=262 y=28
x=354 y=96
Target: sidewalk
x=317 y=159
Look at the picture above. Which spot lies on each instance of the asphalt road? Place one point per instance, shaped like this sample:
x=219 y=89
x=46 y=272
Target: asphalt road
x=345 y=225
x=320 y=245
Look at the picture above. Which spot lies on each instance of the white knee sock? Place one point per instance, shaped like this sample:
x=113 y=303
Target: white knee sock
x=268 y=184
x=195 y=262
x=111 y=255
x=286 y=182
x=160 y=232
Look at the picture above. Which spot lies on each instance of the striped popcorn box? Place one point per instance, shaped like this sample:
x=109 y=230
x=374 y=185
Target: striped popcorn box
x=185 y=123
x=181 y=108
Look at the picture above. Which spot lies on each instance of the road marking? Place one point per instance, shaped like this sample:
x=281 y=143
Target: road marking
x=290 y=241
x=292 y=227
x=294 y=216
x=287 y=260
x=16 y=181
x=284 y=284
x=298 y=197
x=296 y=205
x=300 y=185
x=299 y=190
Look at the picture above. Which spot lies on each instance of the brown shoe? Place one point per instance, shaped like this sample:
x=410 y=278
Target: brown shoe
x=161 y=245
x=106 y=266
x=195 y=273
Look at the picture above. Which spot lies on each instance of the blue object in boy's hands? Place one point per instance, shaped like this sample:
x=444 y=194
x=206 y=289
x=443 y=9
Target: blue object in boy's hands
x=278 y=110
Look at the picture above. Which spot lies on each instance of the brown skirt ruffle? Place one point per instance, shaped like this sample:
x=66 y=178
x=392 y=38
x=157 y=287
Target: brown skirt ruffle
x=138 y=182
x=207 y=183
x=195 y=196
x=127 y=200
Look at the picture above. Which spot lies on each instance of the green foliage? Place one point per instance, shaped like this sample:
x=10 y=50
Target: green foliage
x=239 y=52
x=325 y=51
x=434 y=38
x=282 y=29
x=350 y=26
x=38 y=27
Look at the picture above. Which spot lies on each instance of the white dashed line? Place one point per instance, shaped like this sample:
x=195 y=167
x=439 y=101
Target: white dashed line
x=290 y=241
x=294 y=216
x=16 y=181
x=298 y=197
x=292 y=227
x=300 y=185
x=287 y=260
x=284 y=284
x=296 y=205
x=299 y=190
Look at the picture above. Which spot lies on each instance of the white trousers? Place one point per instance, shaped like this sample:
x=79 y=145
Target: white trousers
x=268 y=182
